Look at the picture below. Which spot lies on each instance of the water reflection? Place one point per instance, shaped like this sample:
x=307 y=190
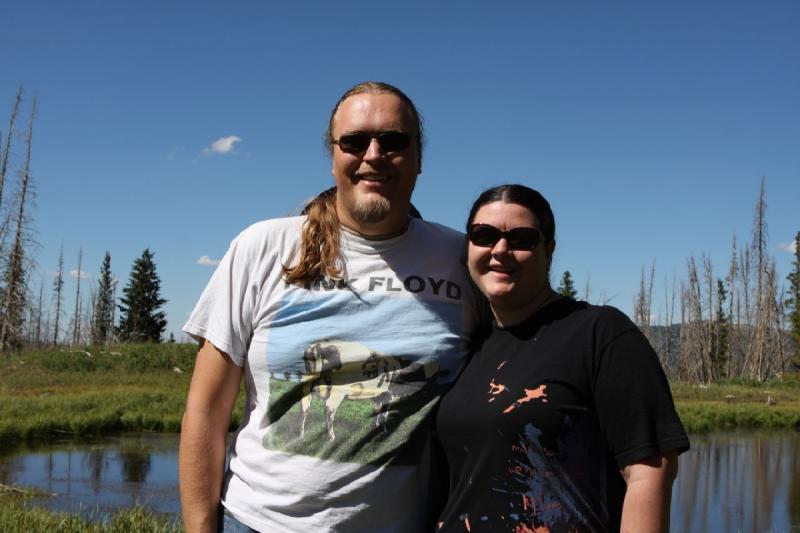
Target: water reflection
x=97 y=475
x=727 y=482
x=739 y=482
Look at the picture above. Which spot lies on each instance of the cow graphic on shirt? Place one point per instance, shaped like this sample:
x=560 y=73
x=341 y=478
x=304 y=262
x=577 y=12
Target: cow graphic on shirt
x=338 y=370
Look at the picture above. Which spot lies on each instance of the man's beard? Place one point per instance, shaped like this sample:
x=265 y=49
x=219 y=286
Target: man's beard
x=371 y=211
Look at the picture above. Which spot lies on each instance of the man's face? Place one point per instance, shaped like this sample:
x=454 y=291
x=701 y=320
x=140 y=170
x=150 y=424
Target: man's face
x=374 y=185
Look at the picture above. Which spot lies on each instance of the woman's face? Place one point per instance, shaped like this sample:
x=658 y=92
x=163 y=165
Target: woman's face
x=510 y=279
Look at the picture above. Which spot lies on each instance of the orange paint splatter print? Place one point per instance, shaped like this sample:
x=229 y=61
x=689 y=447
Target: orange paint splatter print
x=495 y=390
x=530 y=395
x=523 y=528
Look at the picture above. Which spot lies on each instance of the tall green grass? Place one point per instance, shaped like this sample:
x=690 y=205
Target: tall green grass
x=16 y=516
x=739 y=404
x=140 y=387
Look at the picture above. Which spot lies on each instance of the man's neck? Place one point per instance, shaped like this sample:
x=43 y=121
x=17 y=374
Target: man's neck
x=376 y=235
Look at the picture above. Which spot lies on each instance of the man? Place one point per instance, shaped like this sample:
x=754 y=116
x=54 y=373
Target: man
x=347 y=324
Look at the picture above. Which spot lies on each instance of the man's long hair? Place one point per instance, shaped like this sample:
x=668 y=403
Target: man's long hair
x=320 y=250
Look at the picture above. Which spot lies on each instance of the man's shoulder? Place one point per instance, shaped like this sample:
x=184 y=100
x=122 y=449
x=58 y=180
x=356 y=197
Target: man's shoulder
x=268 y=236
x=273 y=226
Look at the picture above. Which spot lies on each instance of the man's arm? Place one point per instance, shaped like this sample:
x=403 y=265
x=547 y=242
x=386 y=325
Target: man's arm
x=647 y=499
x=212 y=393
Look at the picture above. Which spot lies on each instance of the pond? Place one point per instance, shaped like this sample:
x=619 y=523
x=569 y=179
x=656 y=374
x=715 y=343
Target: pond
x=97 y=475
x=727 y=481
x=739 y=482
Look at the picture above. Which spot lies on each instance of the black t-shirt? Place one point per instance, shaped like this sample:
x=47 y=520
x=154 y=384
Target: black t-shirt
x=546 y=414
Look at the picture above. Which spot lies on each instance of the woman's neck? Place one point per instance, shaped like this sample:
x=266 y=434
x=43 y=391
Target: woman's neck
x=512 y=317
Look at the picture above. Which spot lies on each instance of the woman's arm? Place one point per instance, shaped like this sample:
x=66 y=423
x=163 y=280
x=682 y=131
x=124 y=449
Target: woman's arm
x=212 y=393
x=647 y=499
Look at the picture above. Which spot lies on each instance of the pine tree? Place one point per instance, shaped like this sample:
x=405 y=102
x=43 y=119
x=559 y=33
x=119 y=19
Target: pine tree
x=140 y=320
x=793 y=301
x=567 y=286
x=721 y=341
x=104 y=304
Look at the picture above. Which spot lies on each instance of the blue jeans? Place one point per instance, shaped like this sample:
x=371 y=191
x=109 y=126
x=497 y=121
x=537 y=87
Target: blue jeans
x=228 y=524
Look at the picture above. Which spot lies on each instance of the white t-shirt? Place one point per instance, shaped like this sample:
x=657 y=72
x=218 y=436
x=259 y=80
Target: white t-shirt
x=341 y=377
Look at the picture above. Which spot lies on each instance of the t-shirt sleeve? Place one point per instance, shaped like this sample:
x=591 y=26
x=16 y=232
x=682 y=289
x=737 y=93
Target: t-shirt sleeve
x=632 y=396
x=224 y=313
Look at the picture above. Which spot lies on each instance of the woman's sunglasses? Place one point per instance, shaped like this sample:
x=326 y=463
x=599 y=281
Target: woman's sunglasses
x=486 y=236
x=389 y=141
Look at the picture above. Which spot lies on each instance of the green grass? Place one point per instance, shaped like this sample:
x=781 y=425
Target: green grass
x=739 y=404
x=16 y=515
x=92 y=390
x=135 y=388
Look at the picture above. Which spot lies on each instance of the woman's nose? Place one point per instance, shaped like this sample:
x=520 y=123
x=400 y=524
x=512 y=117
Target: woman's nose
x=500 y=247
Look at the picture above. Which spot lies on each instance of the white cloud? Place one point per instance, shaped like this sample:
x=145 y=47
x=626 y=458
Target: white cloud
x=223 y=145
x=789 y=247
x=82 y=274
x=207 y=261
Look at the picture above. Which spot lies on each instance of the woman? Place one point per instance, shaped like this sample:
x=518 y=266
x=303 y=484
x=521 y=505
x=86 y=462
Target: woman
x=563 y=419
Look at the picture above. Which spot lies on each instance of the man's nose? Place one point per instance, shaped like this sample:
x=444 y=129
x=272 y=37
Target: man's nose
x=374 y=150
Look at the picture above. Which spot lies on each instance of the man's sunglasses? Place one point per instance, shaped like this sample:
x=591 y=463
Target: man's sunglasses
x=389 y=141
x=486 y=236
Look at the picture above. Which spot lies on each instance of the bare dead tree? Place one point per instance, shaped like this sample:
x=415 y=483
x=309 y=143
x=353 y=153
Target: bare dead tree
x=746 y=332
x=775 y=333
x=711 y=322
x=5 y=154
x=643 y=301
x=669 y=317
x=76 y=332
x=39 y=309
x=58 y=287
x=734 y=317
x=699 y=341
x=15 y=279
x=684 y=366
x=761 y=266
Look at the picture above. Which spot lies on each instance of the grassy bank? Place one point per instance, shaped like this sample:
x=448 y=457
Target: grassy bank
x=94 y=390
x=143 y=388
x=722 y=406
x=15 y=515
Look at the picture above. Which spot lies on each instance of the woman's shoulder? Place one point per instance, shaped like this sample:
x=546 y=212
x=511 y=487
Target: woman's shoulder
x=603 y=318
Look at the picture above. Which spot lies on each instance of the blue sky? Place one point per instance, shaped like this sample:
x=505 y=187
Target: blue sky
x=648 y=126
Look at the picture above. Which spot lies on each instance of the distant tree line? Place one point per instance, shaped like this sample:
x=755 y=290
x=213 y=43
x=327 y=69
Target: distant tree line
x=102 y=317
x=28 y=320
x=743 y=323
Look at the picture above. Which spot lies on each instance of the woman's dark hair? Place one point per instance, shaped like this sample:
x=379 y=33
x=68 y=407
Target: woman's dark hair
x=521 y=195
x=320 y=252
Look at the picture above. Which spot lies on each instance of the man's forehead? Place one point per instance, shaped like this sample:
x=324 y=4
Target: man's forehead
x=378 y=106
